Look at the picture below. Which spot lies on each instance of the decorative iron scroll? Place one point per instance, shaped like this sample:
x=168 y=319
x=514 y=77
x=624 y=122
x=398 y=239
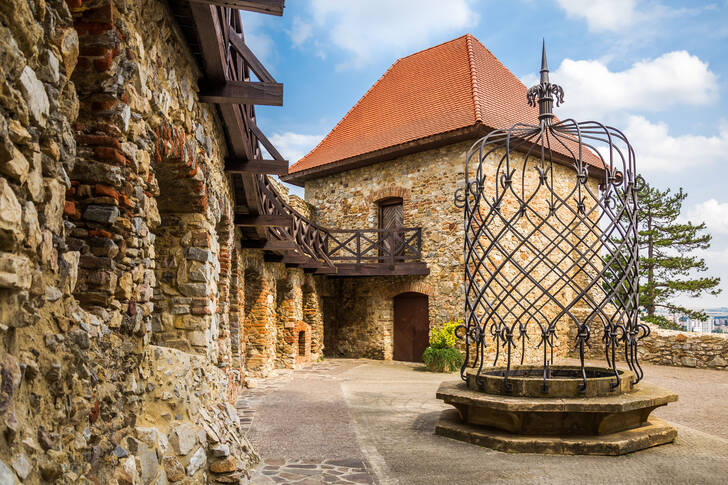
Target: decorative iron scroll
x=550 y=241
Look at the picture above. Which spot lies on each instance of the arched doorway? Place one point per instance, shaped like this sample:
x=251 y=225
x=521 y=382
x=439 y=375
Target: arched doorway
x=411 y=326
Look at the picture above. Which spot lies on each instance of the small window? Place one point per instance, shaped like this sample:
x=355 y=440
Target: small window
x=302 y=343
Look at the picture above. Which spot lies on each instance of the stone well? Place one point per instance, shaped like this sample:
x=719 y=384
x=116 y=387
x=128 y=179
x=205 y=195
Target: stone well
x=519 y=414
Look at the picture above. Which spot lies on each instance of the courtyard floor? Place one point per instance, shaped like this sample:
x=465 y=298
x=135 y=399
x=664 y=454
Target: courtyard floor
x=365 y=421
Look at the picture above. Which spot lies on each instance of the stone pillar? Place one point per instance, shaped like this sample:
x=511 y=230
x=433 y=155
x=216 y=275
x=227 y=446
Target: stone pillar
x=237 y=303
x=313 y=317
x=260 y=330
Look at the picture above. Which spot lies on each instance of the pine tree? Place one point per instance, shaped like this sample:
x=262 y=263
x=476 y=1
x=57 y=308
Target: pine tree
x=668 y=264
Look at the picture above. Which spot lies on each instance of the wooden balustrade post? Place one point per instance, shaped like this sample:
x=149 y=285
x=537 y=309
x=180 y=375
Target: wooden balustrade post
x=358 y=247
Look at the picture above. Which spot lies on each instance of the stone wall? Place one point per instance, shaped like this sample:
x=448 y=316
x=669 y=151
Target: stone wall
x=125 y=328
x=289 y=298
x=360 y=324
x=673 y=347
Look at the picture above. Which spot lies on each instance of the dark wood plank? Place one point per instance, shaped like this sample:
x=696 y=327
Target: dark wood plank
x=397 y=269
x=277 y=167
x=208 y=26
x=247 y=220
x=250 y=187
x=270 y=245
x=266 y=143
x=296 y=259
x=257 y=67
x=270 y=7
x=241 y=92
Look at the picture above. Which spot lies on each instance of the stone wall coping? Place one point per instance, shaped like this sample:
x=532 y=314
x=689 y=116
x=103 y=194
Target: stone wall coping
x=665 y=332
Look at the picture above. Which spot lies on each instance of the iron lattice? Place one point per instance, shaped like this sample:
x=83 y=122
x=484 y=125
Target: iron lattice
x=551 y=252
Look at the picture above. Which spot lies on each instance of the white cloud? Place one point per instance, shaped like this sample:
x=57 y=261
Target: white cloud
x=365 y=29
x=658 y=151
x=715 y=215
x=256 y=38
x=593 y=91
x=294 y=146
x=300 y=31
x=602 y=15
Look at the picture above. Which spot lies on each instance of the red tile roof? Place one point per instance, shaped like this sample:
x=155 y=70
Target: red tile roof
x=454 y=85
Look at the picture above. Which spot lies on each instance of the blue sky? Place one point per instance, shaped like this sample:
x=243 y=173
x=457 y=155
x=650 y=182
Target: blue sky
x=656 y=69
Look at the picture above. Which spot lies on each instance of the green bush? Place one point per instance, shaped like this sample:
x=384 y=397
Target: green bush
x=441 y=355
x=443 y=337
x=442 y=360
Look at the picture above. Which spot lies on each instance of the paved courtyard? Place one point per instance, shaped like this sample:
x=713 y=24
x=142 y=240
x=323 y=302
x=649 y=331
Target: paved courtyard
x=364 y=421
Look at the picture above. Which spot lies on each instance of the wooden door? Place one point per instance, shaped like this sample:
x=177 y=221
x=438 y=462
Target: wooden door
x=411 y=326
x=391 y=218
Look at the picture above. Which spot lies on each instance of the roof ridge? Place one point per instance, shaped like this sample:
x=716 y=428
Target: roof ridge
x=435 y=46
x=347 y=113
x=473 y=77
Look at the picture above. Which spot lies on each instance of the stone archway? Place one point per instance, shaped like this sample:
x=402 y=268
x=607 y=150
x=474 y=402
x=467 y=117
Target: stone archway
x=411 y=326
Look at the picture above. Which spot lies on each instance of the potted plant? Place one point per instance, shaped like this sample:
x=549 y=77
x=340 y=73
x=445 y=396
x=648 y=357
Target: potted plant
x=441 y=355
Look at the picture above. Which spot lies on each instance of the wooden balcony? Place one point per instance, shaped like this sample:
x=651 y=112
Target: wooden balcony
x=265 y=219
x=376 y=252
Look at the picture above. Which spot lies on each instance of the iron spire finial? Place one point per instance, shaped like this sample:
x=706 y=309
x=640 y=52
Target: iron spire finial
x=544 y=92
x=544 y=64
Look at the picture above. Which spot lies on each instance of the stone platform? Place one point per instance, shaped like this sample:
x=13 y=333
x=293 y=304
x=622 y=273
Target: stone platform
x=655 y=432
x=604 y=425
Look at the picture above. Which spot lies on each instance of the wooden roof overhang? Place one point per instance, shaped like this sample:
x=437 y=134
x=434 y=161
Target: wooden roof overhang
x=475 y=131
x=214 y=32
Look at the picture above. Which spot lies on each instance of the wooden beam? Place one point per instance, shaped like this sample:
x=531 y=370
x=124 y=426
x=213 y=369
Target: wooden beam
x=255 y=65
x=241 y=92
x=325 y=270
x=207 y=24
x=265 y=141
x=296 y=259
x=270 y=245
x=236 y=165
x=374 y=269
x=247 y=220
x=270 y=7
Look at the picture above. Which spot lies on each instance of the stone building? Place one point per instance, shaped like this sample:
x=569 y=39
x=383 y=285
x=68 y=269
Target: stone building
x=395 y=160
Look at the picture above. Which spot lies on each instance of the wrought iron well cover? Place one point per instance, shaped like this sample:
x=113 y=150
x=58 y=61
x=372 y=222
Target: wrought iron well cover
x=550 y=241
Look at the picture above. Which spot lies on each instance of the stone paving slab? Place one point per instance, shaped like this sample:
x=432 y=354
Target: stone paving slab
x=384 y=415
x=300 y=425
x=341 y=471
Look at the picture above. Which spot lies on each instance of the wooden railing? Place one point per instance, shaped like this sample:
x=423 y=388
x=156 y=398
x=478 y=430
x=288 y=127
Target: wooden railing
x=307 y=237
x=228 y=63
x=374 y=245
x=331 y=246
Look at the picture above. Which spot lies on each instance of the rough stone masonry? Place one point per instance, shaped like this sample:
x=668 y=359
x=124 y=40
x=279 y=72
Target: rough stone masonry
x=129 y=314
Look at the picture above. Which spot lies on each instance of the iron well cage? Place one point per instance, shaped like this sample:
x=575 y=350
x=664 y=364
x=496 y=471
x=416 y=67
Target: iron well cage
x=551 y=249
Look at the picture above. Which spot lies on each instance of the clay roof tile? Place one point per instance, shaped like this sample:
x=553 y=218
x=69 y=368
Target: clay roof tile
x=453 y=85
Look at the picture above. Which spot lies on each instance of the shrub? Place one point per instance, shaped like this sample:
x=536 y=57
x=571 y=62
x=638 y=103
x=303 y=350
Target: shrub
x=441 y=355
x=442 y=360
x=443 y=337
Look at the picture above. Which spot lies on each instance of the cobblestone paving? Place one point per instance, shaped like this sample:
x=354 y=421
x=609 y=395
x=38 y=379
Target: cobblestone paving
x=246 y=405
x=274 y=471
x=293 y=469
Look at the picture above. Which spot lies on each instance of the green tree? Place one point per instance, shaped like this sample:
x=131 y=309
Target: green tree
x=668 y=264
